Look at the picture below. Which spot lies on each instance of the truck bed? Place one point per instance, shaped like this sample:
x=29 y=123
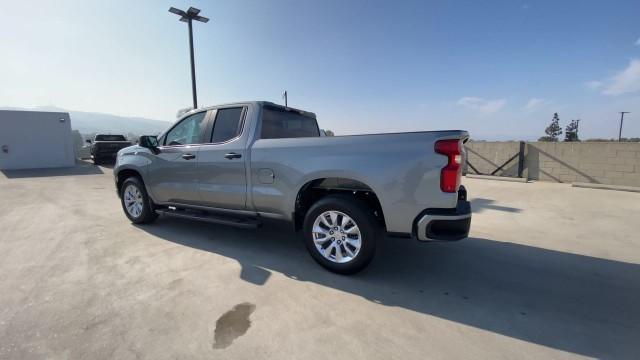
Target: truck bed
x=402 y=169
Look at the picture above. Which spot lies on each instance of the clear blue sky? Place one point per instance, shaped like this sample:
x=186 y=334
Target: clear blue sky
x=496 y=68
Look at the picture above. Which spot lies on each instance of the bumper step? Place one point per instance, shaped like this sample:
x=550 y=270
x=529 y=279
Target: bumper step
x=247 y=223
x=445 y=224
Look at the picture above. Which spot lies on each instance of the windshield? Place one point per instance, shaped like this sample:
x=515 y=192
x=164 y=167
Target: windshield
x=110 y=138
x=278 y=123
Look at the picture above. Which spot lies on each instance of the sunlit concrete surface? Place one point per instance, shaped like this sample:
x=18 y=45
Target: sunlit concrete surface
x=550 y=271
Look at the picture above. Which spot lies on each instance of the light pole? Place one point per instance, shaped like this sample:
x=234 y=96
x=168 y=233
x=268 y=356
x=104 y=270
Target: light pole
x=188 y=17
x=621 y=120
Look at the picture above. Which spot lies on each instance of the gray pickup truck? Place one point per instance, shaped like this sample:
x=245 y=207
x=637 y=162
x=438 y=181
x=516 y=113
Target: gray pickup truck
x=240 y=163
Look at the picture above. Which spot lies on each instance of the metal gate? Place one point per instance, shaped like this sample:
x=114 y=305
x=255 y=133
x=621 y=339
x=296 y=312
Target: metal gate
x=520 y=155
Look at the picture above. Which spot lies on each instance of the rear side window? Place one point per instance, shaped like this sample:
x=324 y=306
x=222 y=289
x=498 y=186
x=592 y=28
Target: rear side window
x=278 y=123
x=110 y=138
x=228 y=124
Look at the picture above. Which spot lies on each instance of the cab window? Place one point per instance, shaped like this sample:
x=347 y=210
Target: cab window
x=228 y=124
x=189 y=131
x=278 y=123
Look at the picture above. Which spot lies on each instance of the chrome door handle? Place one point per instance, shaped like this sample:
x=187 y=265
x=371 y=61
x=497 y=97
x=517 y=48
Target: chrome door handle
x=232 y=155
x=188 y=156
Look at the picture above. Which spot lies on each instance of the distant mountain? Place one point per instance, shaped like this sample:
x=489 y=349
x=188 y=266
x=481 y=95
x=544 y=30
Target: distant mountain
x=90 y=122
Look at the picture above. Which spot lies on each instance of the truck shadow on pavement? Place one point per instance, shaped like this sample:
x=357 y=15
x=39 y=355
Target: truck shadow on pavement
x=575 y=303
x=480 y=204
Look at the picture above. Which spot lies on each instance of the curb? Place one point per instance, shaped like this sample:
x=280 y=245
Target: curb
x=606 y=187
x=498 y=178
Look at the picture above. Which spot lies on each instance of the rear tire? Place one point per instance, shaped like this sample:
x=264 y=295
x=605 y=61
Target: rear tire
x=96 y=161
x=136 y=203
x=340 y=233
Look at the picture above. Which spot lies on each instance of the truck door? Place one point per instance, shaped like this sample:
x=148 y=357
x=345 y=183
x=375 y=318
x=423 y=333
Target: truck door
x=221 y=161
x=172 y=171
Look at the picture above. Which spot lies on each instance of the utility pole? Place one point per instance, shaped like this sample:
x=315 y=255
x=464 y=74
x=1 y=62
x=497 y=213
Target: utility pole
x=188 y=17
x=284 y=95
x=621 y=120
x=193 y=67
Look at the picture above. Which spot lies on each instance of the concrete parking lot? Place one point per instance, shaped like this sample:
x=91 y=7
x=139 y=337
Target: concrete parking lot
x=549 y=271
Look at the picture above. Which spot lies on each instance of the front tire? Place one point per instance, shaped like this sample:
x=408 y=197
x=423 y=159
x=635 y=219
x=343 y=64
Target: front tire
x=340 y=233
x=136 y=202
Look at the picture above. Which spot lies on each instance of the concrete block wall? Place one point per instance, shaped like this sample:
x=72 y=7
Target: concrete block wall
x=610 y=163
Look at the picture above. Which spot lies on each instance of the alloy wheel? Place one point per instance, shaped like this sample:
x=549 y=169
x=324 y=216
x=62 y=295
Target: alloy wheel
x=133 y=200
x=336 y=236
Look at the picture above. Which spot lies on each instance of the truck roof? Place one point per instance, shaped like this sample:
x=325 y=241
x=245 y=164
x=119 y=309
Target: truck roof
x=253 y=102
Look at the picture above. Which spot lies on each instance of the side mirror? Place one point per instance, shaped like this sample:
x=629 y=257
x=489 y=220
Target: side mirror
x=88 y=141
x=150 y=142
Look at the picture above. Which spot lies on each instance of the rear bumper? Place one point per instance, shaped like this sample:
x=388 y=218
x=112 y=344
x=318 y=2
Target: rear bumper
x=445 y=224
x=105 y=154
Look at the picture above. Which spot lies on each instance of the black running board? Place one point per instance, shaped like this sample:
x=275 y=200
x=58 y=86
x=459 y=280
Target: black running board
x=247 y=223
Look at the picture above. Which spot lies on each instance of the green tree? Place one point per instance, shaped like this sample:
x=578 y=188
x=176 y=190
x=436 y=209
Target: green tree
x=77 y=139
x=132 y=137
x=329 y=133
x=571 y=131
x=553 y=130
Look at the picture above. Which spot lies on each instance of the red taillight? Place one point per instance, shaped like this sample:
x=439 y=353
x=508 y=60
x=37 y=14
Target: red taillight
x=450 y=174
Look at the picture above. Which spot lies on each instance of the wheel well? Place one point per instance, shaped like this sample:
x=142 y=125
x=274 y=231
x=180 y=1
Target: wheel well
x=316 y=189
x=124 y=175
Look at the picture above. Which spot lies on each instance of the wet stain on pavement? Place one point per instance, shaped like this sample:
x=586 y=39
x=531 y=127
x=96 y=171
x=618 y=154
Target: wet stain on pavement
x=233 y=324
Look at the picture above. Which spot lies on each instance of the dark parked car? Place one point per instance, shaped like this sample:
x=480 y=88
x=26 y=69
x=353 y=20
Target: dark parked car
x=105 y=147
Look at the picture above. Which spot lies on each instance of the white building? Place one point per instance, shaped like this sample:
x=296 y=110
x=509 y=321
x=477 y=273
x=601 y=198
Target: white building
x=35 y=139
